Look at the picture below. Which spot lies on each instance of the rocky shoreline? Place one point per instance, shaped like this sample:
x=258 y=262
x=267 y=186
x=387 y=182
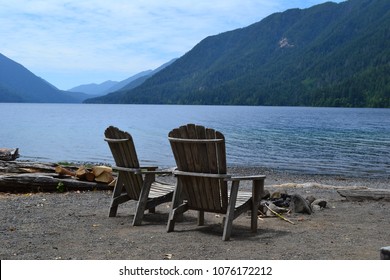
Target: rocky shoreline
x=275 y=178
x=75 y=225
x=278 y=178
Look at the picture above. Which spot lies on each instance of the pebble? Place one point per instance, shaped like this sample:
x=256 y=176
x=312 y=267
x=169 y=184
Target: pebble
x=320 y=202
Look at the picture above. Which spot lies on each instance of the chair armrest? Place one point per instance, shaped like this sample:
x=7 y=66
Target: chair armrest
x=243 y=178
x=257 y=186
x=195 y=174
x=157 y=172
x=126 y=169
x=143 y=170
x=153 y=170
x=149 y=168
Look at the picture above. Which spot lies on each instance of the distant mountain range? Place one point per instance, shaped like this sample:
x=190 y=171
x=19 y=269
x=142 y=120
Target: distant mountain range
x=18 y=84
x=112 y=86
x=327 y=55
x=93 y=88
x=107 y=86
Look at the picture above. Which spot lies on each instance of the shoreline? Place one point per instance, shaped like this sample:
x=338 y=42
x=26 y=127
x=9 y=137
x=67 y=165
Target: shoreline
x=240 y=169
x=279 y=177
x=75 y=225
x=274 y=178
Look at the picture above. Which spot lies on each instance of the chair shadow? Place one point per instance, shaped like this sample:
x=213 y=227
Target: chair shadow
x=211 y=227
x=239 y=232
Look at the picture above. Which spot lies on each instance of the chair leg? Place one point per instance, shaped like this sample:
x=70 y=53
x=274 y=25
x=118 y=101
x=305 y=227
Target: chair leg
x=115 y=194
x=171 y=222
x=113 y=211
x=176 y=201
x=230 y=211
x=139 y=214
x=257 y=191
x=200 y=218
x=143 y=199
x=175 y=214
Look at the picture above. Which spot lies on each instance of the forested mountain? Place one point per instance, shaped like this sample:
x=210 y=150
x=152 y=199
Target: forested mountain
x=18 y=84
x=8 y=95
x=328 y=55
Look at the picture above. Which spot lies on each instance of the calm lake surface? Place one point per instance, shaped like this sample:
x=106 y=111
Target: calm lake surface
x=338 y=141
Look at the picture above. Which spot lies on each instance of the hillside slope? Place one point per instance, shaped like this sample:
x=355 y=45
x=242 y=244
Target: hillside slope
x=328 y=55
x=18 y=84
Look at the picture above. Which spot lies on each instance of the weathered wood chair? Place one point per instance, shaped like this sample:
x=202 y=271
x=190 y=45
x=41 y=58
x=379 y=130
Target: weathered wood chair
x=202 y=179
x=134 y=182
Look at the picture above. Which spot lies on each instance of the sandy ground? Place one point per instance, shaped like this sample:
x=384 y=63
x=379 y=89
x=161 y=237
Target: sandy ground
x=75 y=225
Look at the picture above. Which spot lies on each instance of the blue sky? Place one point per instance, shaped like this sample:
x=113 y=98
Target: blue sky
x=74 y=42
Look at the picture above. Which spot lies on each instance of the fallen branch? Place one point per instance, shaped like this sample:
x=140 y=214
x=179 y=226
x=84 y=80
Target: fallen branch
x=365 y=194
x=278 y=215
x=316 y=186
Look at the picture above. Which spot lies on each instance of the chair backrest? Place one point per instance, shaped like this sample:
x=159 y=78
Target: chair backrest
x=201 y=150
x=123 y=150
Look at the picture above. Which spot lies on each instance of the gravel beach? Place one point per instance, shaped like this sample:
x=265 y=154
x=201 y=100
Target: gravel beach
x=75 y=225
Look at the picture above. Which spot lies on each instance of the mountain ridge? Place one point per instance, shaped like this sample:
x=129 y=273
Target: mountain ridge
x=93 y=88
x=136 y=81
x=18 y=84
x=327 y=55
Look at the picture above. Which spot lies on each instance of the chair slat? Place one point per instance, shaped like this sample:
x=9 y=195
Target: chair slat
x=205 y=168
x=201 y=184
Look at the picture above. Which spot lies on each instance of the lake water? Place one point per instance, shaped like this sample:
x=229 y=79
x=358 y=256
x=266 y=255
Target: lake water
x=338 y=141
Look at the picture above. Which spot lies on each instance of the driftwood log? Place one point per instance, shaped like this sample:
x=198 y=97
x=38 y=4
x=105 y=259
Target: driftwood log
x=45 y=182
x=26 y=167
x=365 y=194
x=27 y=176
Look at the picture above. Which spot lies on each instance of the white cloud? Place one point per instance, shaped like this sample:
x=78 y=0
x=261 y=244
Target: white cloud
x=71 y=42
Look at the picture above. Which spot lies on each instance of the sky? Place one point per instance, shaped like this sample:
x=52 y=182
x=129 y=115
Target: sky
x=74 y=42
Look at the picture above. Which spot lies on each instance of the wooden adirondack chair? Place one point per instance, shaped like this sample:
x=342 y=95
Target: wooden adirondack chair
x=202 y=181
x=134 y=182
